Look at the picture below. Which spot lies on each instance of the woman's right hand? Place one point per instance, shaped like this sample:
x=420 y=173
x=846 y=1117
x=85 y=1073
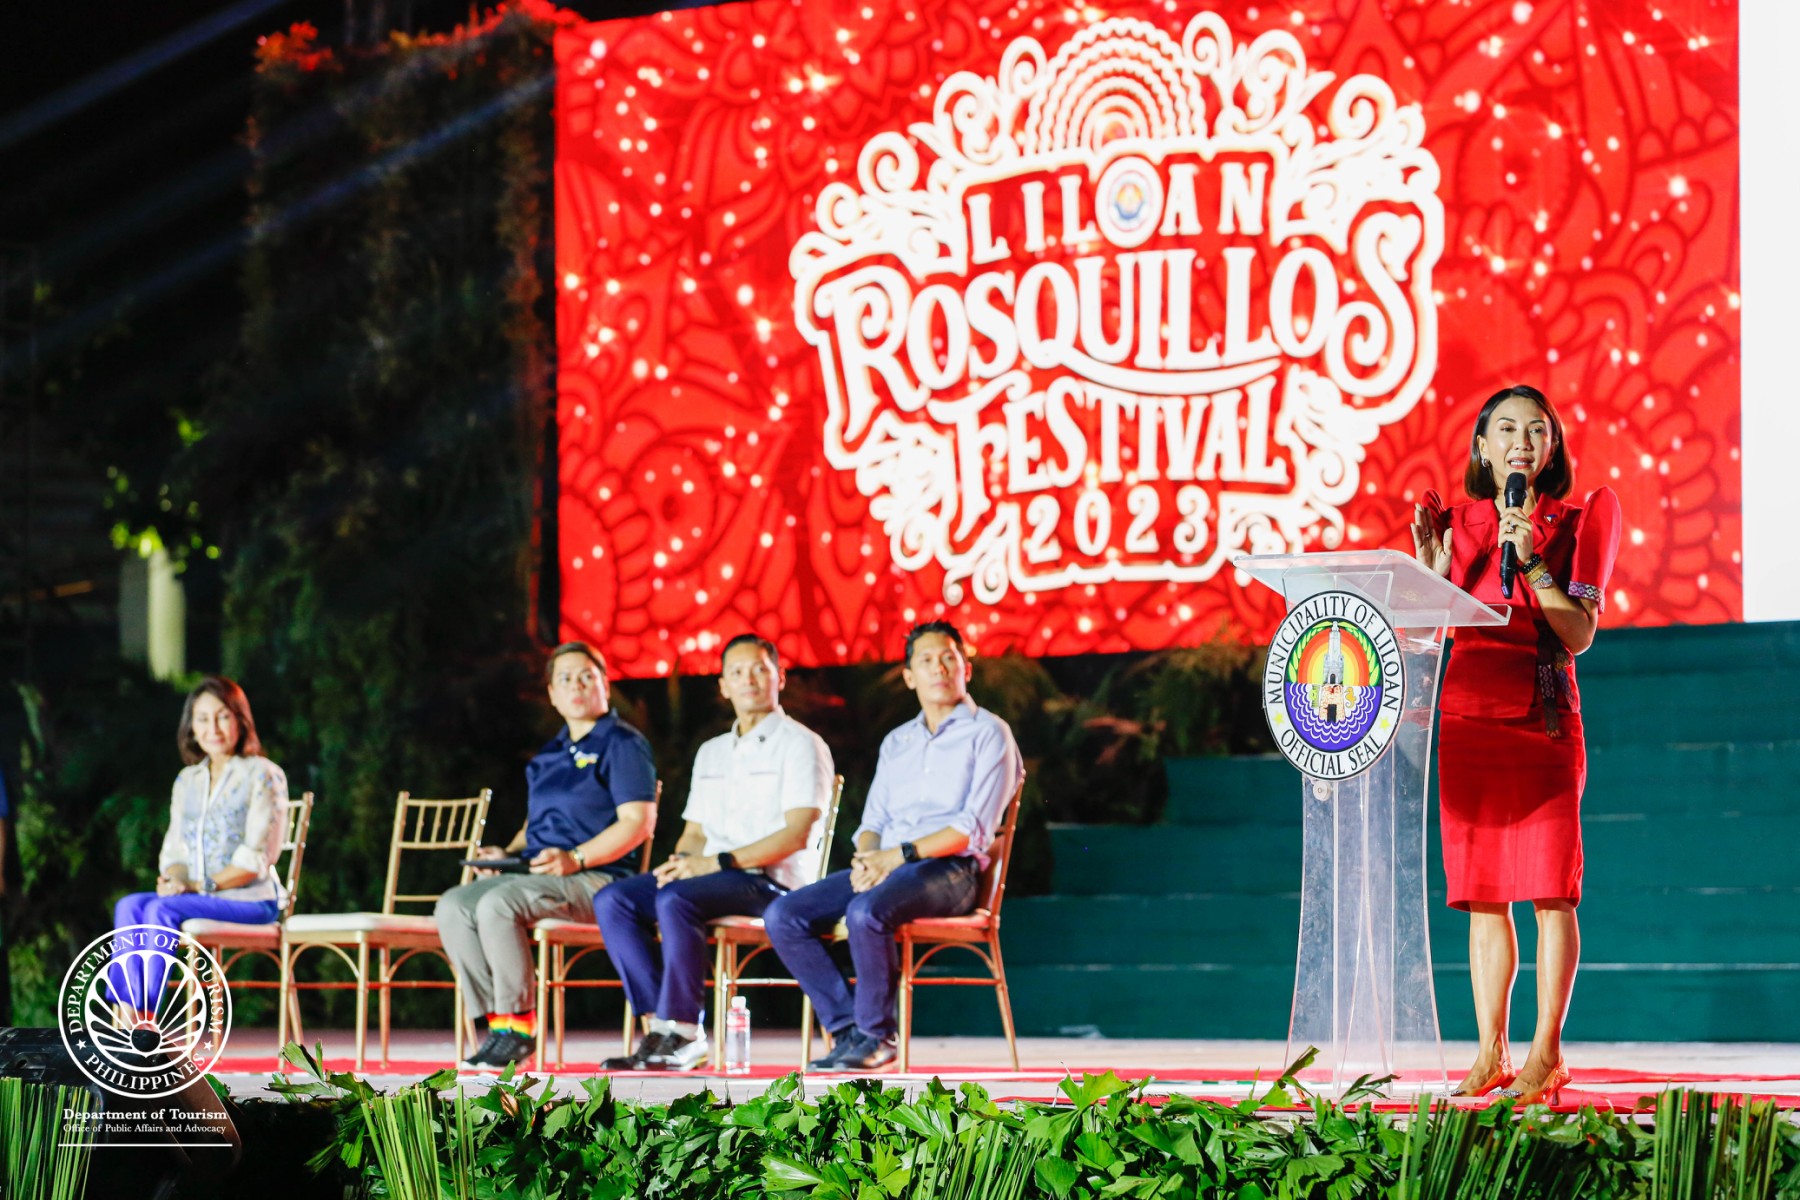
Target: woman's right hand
x=173 y=883
x=1430 y=545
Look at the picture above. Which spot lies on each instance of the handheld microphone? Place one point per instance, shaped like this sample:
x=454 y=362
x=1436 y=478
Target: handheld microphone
x=1509 y=553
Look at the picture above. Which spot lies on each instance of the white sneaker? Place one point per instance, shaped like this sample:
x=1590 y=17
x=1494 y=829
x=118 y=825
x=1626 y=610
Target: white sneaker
x=680 y=1053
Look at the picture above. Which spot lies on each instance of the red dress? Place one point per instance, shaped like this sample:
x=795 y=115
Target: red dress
x=1511 y=758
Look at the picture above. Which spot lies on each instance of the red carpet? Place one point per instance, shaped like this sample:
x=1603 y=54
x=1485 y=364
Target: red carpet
x=1624 y=1090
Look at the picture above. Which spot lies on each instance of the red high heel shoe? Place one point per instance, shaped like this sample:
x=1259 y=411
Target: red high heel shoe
x=1502 y=1075
x=1552 y=1086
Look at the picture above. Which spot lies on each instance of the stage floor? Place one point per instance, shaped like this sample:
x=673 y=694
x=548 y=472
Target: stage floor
x=1616 y=1074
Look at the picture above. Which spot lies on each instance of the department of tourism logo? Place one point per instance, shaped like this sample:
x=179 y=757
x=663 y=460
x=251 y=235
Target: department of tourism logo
x=1334 y=686
x=1124 y=311
x=144 y=1011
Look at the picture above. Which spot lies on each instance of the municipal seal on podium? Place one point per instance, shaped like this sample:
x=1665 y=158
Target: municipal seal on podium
x=1334 y=687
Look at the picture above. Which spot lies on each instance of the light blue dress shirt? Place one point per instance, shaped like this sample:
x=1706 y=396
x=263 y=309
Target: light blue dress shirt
x=960 y=777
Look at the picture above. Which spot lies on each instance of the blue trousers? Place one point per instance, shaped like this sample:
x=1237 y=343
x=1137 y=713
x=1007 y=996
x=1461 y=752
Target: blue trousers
x=933 y=887
x=138 y=980
x=672 y=982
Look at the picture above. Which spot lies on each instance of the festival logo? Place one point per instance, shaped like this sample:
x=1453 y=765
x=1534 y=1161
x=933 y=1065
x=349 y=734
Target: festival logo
x=144 y=1011
x=1334 y=685
x=1124 y=312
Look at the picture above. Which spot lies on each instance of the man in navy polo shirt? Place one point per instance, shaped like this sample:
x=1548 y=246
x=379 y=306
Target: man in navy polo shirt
x=592 y=802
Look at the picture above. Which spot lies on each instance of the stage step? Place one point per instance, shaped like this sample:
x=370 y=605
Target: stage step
x=1718 y=851
x=1264 y=789
x=1645 y=925
x=1145 y=930
x=1721 y=1001
x=1614 y=1002
x=1771 y=646
x=1159 y=859
x=1742 y=777
x=1734 y=703
x=1715 y=851
x=1191 y=1000
x=1698 y=778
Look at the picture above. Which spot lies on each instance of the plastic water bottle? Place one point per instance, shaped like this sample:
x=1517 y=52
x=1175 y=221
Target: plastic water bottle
x=737 y=1037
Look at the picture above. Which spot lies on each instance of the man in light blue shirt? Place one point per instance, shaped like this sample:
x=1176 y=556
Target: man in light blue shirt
x=941 y=784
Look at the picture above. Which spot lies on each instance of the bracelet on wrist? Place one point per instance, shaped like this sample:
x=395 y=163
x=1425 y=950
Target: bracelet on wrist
x=1537 y=573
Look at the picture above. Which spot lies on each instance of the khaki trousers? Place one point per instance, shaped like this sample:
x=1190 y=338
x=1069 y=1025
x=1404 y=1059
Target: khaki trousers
x=486 y=930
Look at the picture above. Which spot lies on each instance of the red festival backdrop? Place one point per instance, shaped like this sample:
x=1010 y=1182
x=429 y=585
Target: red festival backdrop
x=1034 y=315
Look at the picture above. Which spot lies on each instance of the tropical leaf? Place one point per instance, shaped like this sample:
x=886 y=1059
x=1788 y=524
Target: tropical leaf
x=1056 y=1176
x=787 y=1174
x=1093 y=1088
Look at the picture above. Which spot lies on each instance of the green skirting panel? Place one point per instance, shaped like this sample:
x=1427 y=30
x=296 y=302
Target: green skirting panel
x=1614 y=1002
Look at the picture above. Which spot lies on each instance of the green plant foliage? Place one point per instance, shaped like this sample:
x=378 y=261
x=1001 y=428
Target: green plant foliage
x=35 y=1162
x=1707 y=1146
x=863 y=1141
x=1197 y=700
x=96 y=766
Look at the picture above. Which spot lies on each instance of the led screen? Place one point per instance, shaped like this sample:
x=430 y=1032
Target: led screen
x=1037 y=316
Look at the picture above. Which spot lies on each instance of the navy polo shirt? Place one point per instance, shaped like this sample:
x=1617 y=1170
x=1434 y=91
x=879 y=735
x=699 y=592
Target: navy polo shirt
x=575 y=788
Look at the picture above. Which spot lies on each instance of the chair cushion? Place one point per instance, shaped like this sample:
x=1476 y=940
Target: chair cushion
x=736 y=923
x=555 y=930
x=926 y=928
x=203 y=929
x=978 y=920
x=314 y=925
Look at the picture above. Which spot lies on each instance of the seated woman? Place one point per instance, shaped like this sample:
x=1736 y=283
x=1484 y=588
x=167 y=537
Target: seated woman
x=227 y=813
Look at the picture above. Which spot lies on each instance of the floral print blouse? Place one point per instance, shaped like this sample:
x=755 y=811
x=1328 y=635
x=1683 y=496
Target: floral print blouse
x=238 y=823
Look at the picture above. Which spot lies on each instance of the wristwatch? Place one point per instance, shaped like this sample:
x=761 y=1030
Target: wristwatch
x=909 y=852
x=727 y=861
x=208 y=885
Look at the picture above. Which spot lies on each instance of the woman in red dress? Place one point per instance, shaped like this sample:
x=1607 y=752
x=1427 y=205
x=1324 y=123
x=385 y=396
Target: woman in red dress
x=1511 y=759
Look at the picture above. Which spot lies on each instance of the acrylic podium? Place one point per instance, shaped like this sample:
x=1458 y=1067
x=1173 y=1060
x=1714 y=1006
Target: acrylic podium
x=1363 y=989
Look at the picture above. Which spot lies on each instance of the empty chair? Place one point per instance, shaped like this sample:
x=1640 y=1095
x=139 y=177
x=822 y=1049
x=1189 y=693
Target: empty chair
x=446 y=829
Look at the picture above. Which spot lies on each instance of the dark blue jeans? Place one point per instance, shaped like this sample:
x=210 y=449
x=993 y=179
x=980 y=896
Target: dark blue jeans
x=138 y=979
x=935 y=887
x=672 y=983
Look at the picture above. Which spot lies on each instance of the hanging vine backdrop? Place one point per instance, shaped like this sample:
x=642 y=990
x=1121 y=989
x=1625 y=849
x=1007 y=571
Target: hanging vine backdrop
x=364 y=466
x=379 y=445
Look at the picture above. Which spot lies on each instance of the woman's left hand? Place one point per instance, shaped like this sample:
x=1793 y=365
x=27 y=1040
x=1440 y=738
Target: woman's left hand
x=169 y=885
x=1515 y=527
